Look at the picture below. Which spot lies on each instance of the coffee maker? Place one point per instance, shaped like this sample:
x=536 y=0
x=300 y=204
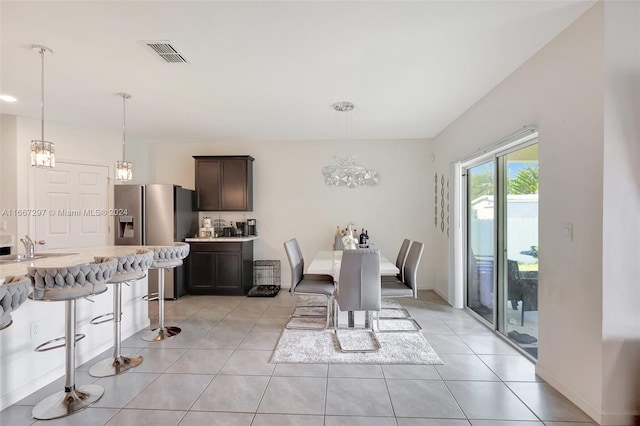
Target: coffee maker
x=251 y=227
x=242 y=228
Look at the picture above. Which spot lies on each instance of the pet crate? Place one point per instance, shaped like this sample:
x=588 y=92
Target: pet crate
x=266 y=272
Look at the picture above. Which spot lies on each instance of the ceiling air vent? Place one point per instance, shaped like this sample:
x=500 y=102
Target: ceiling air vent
x=167 y=52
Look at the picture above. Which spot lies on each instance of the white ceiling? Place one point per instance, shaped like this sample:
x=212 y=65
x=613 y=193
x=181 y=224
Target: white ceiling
x=269 y=70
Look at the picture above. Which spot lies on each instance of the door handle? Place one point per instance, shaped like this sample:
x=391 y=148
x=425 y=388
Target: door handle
x=41 y=242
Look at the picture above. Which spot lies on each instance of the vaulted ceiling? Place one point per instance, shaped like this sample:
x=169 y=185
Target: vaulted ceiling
x=268 y=70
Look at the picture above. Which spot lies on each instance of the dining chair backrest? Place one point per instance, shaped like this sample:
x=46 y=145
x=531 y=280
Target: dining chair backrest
x=402 y=257
x=411 y=266
x=359 y=287
x=296 y=264
x=300 y=256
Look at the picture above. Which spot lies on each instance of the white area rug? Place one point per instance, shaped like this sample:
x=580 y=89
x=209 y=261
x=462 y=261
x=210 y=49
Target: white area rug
x=321 y=347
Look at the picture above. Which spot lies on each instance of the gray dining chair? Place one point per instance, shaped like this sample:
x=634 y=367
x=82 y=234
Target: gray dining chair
x=359 y=289
x=400 y=261
x=307 y=285
x=403 y=288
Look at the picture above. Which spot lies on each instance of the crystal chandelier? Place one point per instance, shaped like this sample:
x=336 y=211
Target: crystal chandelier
x=347 y=172
x=42 y=152
x=123 y=168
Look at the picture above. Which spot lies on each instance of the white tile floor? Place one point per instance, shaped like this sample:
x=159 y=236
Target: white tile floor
x=217 y=372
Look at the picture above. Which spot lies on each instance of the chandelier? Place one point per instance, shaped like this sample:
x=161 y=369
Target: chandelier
x=42 y=152
x=123 y=168
x=347 y=172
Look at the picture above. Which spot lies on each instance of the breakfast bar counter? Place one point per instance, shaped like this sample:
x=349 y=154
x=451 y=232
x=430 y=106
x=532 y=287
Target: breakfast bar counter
x=25 y=371
x=64 y=257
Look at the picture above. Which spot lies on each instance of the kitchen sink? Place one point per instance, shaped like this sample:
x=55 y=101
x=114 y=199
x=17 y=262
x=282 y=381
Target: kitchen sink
x=17 y=258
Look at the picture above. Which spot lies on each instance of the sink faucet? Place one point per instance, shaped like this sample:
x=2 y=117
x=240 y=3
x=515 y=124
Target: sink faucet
x=29 y=246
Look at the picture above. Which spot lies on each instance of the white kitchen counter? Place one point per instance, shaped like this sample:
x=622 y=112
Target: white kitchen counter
x=221 y=239
x=76 y=256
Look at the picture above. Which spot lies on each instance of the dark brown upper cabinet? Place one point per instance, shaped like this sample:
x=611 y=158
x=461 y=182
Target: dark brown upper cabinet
x=224 y=183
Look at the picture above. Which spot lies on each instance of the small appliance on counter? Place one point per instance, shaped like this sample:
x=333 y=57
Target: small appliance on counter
x=251 y=227
x=206 y=231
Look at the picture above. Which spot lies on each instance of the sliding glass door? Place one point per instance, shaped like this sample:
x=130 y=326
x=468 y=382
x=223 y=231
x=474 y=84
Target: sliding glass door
x=502 y=242
x=481 y=240
x=520 y=249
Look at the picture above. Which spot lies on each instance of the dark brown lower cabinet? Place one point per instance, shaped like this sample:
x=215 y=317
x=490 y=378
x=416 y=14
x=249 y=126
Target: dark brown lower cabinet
x=224 y=268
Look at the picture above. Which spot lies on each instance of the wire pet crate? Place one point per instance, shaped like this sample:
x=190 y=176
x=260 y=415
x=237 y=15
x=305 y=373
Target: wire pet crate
x=266 y=272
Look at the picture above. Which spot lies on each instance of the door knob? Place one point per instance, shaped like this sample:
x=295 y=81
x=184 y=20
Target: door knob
x=41 y=242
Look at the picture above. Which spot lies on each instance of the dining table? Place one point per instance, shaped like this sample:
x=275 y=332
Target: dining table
x=328 y=263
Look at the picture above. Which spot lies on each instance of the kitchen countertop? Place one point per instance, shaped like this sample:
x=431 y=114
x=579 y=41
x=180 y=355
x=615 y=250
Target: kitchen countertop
x=221 y=239
x=75 y=256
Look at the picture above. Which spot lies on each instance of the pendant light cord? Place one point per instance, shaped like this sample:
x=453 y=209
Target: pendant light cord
x=124 y=124
x=42 y=95
x=125 y=96
x=42 y=50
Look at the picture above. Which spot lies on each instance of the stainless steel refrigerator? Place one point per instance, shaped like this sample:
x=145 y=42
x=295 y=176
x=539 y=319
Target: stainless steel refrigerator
x=156 y=214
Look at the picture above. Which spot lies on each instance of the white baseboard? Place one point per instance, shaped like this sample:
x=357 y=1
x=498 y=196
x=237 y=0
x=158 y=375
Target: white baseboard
x=601 y=417
x=439 y=293
x=611 y=419
x=588 y=407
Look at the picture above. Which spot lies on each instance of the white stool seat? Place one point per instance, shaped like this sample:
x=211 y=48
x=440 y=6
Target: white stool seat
x=70 y=282
x=169 y=256
x=130 y=267
x=13 y=293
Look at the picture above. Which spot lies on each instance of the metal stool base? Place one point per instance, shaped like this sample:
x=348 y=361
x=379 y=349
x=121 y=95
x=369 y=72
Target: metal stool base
x=62 y=404
x=113 y=366
x=161 y=333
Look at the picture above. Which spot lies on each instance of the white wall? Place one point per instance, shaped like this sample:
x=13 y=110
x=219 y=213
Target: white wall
x=292 y=200
x=621 y=205
x=560 y=90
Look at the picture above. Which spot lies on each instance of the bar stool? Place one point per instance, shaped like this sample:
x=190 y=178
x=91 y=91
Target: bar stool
x=165 y=257
x=130 y=268
x=13 y=293
x=51 y=284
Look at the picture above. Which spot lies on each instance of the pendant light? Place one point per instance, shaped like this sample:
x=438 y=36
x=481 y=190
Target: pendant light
x=347 y=172
x=42 y=152
x=123 y=168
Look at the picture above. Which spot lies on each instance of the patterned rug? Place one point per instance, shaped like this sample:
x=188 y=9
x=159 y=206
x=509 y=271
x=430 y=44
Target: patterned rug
x=321 y=347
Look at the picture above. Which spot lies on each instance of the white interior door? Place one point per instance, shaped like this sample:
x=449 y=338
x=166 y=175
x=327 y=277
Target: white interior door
x=75 y=200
